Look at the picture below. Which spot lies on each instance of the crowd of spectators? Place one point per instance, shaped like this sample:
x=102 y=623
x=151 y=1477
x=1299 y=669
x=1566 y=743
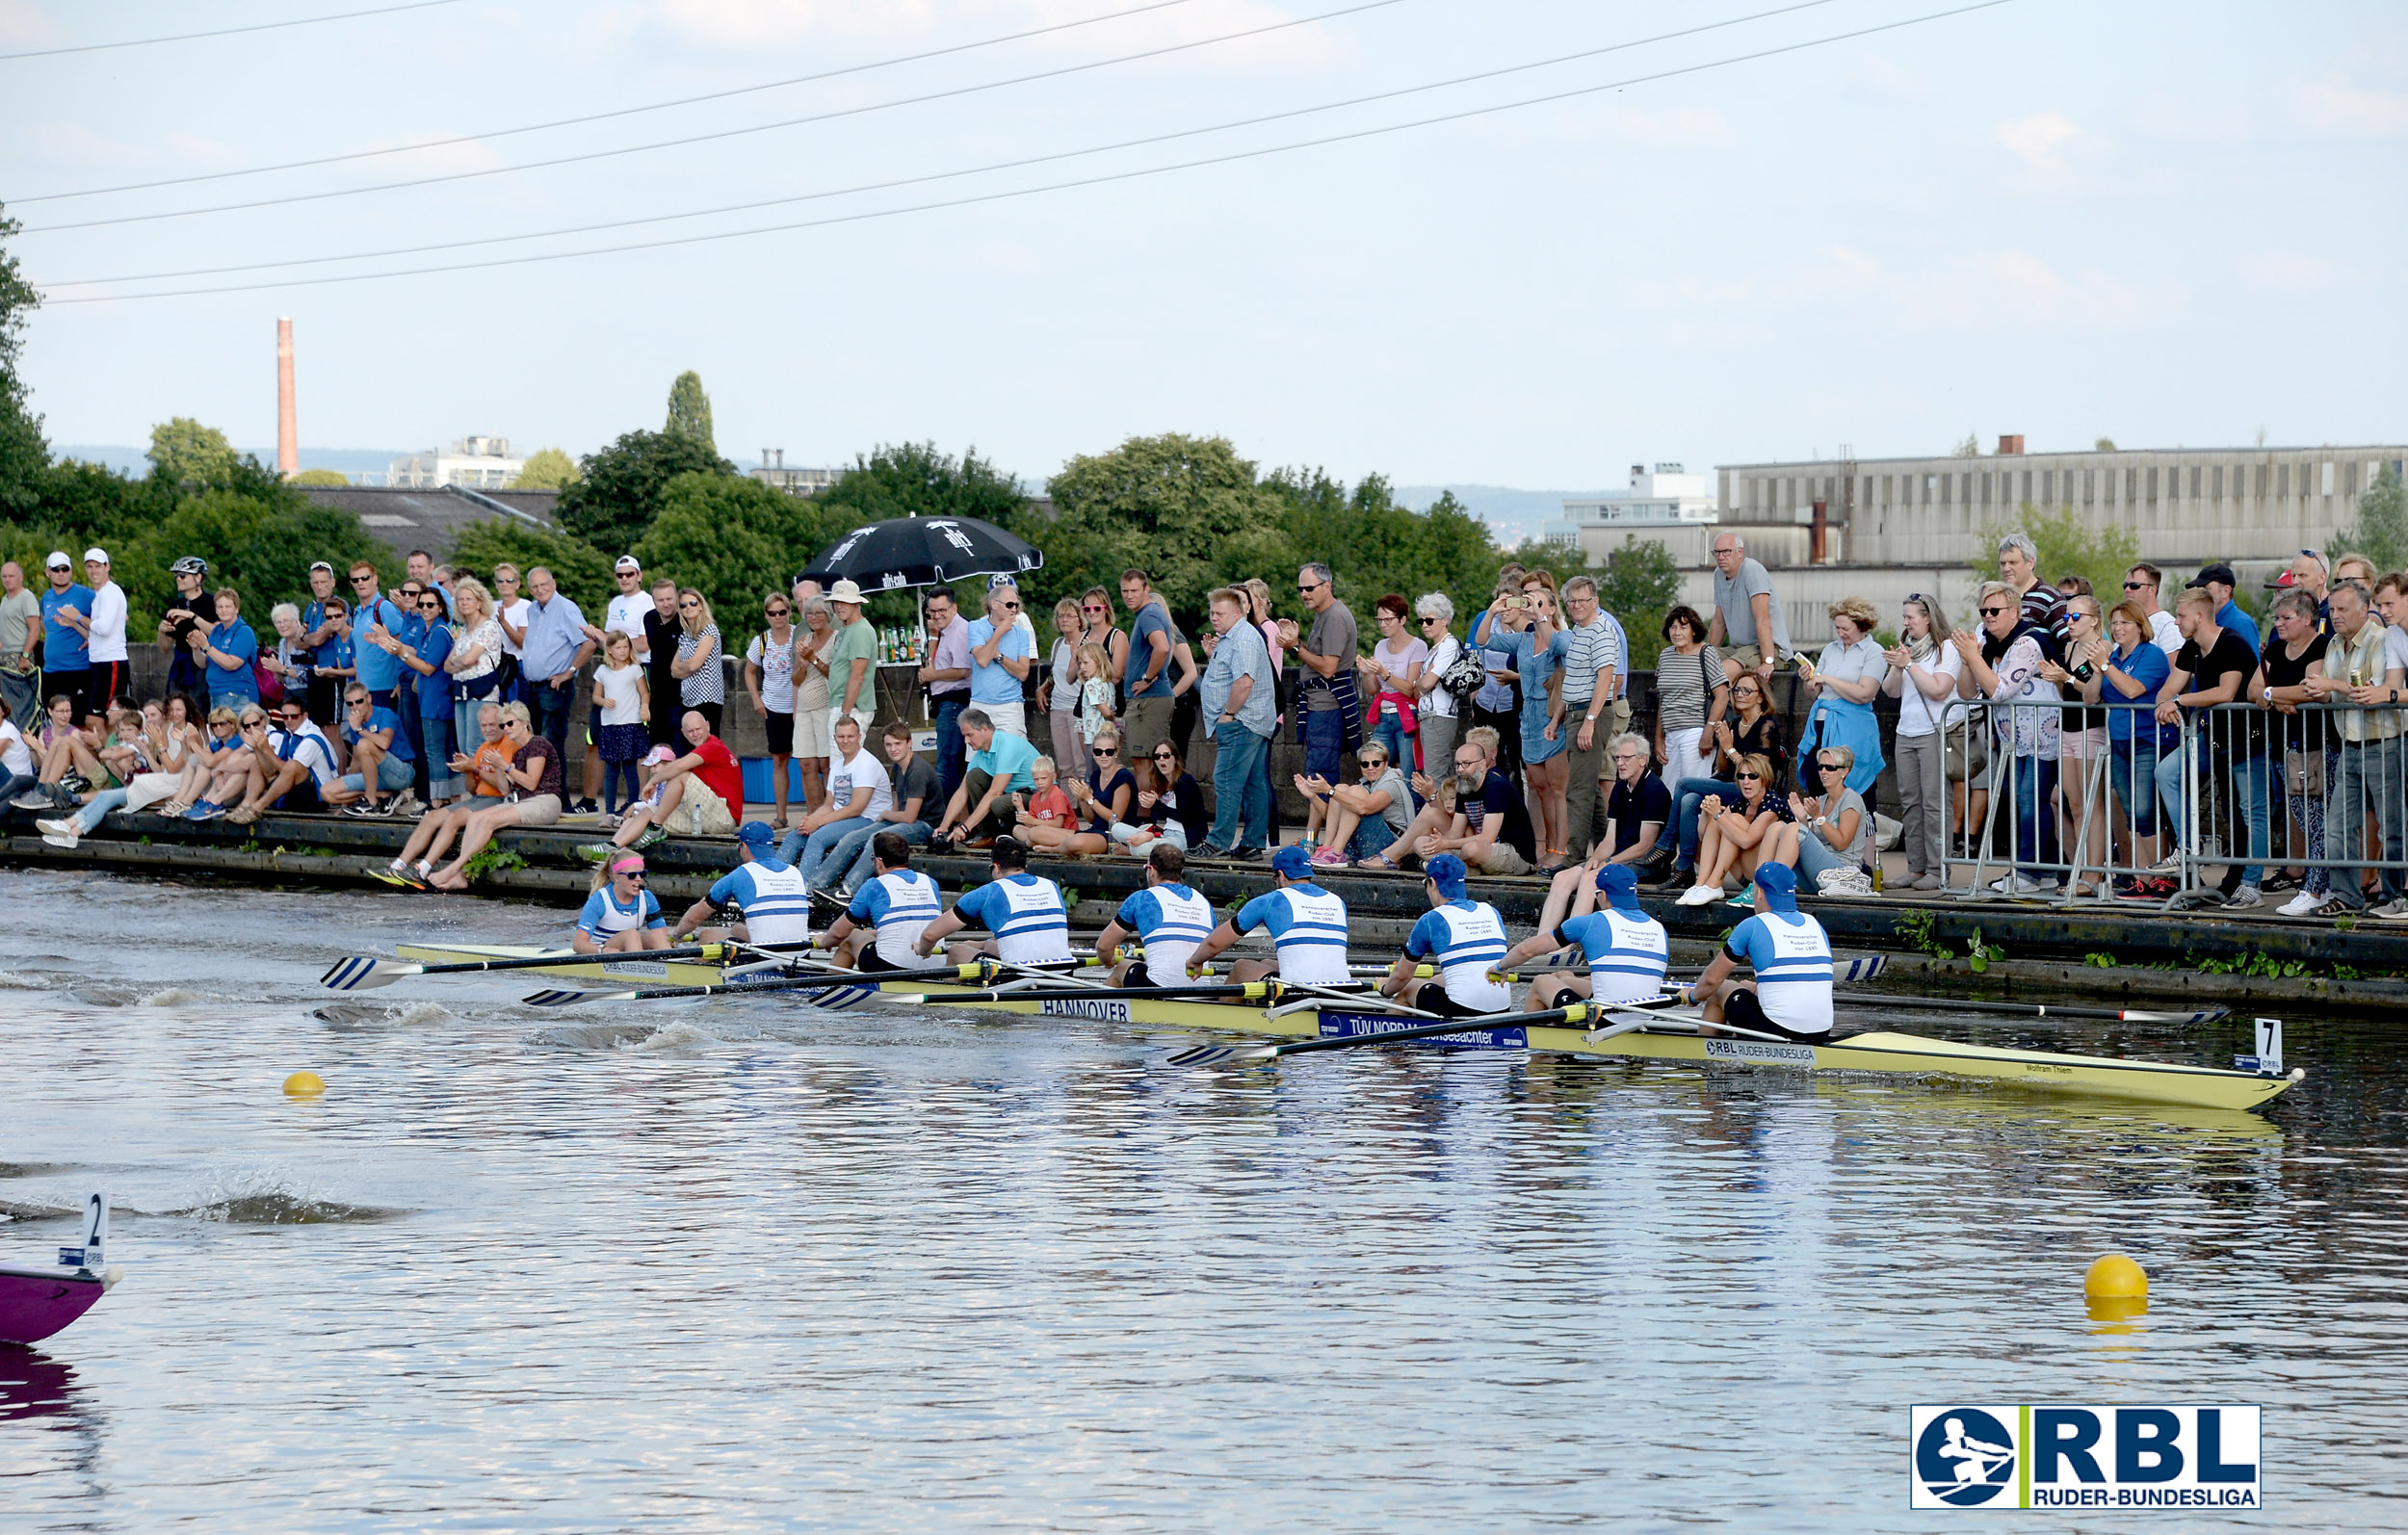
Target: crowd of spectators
x=2081 y=743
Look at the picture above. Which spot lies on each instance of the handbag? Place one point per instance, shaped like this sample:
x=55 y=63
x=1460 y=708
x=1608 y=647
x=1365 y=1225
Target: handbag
x=270 y=687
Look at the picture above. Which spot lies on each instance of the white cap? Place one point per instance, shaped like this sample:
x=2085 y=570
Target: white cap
x=58 y=561
x=95 y=552
x=628 y=563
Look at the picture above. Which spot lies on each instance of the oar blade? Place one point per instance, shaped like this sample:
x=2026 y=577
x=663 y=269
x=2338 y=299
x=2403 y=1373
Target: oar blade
x=2130 y=1015
x=1216 y=1054
x=1862 y=967
x=364 y=972
x=565 y=998
x=846 y=999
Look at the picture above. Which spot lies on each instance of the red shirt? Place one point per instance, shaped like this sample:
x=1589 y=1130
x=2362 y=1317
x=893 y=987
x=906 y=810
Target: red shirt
x=719 y=771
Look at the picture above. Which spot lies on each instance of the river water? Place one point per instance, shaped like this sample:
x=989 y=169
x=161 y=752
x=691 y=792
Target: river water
x=743 y=1265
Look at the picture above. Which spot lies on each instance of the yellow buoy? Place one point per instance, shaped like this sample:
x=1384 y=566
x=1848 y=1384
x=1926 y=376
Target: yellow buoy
x=2115 y=1276
x=303 y=1084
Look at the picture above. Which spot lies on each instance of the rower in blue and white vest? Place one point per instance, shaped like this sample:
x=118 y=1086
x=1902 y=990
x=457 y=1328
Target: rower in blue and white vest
x=1790 y=955
x=1022 y=911
x=1168 y=916
x=620 y=917
x=888 y=913
x=1307 y=926
x=775 y=904
x=1464 y=938
x=1627 y=950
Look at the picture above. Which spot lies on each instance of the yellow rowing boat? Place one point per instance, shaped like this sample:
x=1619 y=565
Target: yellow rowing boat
x=626 y=970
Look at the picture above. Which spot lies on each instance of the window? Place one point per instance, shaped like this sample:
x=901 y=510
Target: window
x=2153 y=488
x=2282 y=483
x=2048 y=487
x=2194 y=482
x=2328 y=477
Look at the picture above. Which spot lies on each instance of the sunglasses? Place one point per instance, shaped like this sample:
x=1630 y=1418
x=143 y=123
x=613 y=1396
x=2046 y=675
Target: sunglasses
x=2135 y=585
x=1315 y=586
x=1832 y=766
x=635 y=877
x=691 y=607
x=1103 y=751
x=1012 y=607
x=1993 y=613
x=432 y=605
x=1163 y=755
x=1751 y=779
x=293 y=718
x=368 y=579
x=1093 y=608
x=777 y=613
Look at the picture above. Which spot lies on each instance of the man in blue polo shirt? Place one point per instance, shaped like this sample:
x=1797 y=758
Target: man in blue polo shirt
x=381 y=758
x=999 y=765
x=65 y=630
x=1791 y=956
x=554 y=650
x=373 y=617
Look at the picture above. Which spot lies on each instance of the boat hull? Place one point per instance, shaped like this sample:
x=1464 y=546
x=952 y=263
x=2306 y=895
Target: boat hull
x=1889 y=1053
x=35 y=1304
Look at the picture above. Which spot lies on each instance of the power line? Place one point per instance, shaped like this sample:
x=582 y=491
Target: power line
x=225 y=32
x=973 y=171
x=724 y=133
x=1106 y=178
x=620 y=112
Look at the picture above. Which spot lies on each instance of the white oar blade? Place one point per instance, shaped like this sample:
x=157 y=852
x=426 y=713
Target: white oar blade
x=1863 y=967
x=846 y=998
x=364 y=972
x=2136 y=1016
x=569 y=998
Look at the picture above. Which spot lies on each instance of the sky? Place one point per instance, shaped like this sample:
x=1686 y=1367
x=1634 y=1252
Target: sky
x=2167 y=224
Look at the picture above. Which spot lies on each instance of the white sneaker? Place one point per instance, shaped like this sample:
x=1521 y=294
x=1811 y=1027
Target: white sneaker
x=55 y=828
x=2302 y=904
x=65 y=839
x=1699 y=895
x=2166 y=866
x=2245 y=896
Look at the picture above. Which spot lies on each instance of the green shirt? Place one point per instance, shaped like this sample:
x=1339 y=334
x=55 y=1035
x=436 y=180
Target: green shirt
x=17 y=614
x=855 y=641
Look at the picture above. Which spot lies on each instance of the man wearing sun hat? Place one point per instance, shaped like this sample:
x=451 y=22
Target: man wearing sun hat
x=1627 y=950
x=1464 y=938
x=66 y=630
x=851 y=661
x=1307 y=926
x=1791 y=956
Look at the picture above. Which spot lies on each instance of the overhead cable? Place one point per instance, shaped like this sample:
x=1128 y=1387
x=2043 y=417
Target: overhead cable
x=1103 y=179
x=724 y=133
x=224 y=32
x=950 y=175
x=604 y=117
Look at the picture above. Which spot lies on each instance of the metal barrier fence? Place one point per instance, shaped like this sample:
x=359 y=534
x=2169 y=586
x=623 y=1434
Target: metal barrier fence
x=2079 y=801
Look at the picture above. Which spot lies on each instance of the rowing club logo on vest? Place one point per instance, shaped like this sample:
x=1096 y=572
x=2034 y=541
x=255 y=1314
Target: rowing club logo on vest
x=912 y=902
x=1633 y=964
x=1475 y=942
x=1312 y=943
x=1036 y=928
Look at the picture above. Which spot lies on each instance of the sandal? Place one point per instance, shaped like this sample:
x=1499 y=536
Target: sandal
x=1379 y=861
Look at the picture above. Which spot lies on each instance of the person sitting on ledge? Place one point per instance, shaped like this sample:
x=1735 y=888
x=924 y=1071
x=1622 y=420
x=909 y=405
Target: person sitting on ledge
x=981 y=807
x=292 y=765
x=701 y=794
x=490 y=785
x=534 y=797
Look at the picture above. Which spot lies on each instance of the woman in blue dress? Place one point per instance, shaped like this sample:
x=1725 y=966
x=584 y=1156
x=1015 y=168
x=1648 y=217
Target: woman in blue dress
x=1541 y=670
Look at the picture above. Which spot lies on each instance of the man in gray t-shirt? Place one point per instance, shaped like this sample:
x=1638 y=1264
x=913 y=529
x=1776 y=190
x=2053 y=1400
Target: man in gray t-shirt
x=1324 y=652
x=1745 y=612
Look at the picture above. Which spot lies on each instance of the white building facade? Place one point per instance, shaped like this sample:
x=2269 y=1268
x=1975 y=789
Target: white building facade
x=1666 y=504
x=473 y=464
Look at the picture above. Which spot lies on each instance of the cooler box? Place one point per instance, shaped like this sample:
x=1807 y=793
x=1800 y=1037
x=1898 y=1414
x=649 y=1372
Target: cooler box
x=760 y=789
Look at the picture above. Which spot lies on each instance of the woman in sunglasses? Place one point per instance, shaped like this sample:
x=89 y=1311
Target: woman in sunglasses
x=1752 y=729
x=1058 y=694
x=1834 y=829
x=2002 y=664
x=1737 y=837
x=701 y=681
x=1104 y=796
x=1174 y=814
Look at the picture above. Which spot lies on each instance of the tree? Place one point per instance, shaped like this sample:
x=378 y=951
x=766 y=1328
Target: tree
x=1374 y=546
x=321 y=477
x=737 y=540
x=1638 y=583
x=2069 y=545
x=24 y=456
x=2104 y=445
x=1184 y=509
x=2382 y=531
x=690 y=411
x=546 y=469
x=620 y=489
x=189 y=456
x=582 y=571
x=1970 y=448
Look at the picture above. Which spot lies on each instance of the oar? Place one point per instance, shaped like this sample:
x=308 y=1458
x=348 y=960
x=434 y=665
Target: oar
x=841 y=980
x=1250 y=991
x=367 y=973
x=1575 y=1012
x=1954 y=1004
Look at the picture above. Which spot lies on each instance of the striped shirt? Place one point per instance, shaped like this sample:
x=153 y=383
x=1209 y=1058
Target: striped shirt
x=1465 y=939
x=1308 y=930
x=1626 y=955
x=1595 y=644
x=773 y=898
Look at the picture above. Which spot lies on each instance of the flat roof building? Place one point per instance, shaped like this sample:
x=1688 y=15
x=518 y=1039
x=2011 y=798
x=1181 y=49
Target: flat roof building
x=1666 y=504
x=474 y=463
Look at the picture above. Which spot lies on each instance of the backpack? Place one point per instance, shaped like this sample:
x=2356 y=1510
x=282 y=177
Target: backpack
x=1466 y=676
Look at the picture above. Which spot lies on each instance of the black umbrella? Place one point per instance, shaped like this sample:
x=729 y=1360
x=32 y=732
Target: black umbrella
x=922 y=552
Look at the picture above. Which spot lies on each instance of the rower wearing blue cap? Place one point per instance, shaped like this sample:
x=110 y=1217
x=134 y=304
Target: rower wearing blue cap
x=1022 y=911
x=1307 y=926
x=1627 y=949
x=1464 y=938
x=1791 y=956
x=775 y=904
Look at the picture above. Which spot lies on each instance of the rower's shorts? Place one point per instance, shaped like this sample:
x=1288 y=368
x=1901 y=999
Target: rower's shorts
x=1135 y=976
x=1433 y=999
x=1744 y=1011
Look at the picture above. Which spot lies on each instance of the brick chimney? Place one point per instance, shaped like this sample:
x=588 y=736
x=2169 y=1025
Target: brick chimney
x=2013 y=445
x=287 y=438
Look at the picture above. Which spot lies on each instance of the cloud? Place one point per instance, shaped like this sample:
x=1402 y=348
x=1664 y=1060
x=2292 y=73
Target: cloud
x=2289 y=272
x=2338 y=106
x=2039 y=140
x=25 y=25
x=1886 y=77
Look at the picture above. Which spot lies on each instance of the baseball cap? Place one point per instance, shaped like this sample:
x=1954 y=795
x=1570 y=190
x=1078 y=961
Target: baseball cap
x=315 y=566
x=96 y=553
x=757 y=834
x=1618 y=883
x=58 y=561
x=1002 y=577
x=627 y=562
x=1448 y=872
x=1292 y=861
x=2217 y=572
x=1779 y=883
